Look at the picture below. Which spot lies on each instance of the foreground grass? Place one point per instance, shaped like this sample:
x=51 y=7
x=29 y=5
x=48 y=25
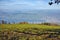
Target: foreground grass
x=29 y=32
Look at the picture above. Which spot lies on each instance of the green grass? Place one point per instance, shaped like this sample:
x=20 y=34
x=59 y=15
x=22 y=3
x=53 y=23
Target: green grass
x=27 y=26
x=33 y=28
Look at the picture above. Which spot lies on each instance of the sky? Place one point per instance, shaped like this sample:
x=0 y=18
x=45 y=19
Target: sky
x=29 y=10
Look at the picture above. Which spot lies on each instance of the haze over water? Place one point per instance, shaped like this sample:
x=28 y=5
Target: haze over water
x=29 y=10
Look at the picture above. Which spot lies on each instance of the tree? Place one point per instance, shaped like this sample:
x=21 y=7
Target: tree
x=4 y=22
x=9 y=23
x=54 y=1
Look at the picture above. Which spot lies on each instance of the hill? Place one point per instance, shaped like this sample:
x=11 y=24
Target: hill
x=29 y=32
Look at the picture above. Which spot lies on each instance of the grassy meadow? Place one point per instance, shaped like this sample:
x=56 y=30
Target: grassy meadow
x=29 y=32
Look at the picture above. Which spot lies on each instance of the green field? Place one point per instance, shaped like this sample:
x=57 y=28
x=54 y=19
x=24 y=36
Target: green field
x=27 y=26
x=30 y=31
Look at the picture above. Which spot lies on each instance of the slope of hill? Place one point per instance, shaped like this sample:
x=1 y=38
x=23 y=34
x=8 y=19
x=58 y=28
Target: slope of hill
x=29 y=32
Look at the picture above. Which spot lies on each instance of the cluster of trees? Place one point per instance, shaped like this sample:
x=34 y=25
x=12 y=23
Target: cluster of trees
x=4 y=22
x=49 y=24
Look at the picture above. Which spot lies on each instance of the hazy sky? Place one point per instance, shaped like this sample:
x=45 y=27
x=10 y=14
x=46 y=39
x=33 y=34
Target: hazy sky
x=29 y=10
x=26 y=4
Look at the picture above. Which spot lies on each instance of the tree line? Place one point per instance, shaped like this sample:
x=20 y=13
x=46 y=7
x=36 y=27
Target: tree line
x=4 y=22
x=45 y=23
